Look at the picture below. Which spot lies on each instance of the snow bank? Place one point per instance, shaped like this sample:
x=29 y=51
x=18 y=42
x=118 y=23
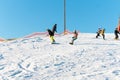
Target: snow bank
x=36 y=59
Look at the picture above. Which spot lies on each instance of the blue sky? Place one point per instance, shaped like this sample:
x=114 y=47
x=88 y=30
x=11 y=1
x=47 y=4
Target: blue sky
x=22 y=17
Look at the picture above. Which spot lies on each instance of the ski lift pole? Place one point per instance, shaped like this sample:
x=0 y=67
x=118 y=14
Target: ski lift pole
x=64 y=16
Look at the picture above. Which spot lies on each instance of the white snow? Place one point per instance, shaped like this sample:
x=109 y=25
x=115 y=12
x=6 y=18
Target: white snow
x=36 y=59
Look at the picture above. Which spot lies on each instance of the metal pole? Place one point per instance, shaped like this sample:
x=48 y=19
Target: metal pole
x=64 y=16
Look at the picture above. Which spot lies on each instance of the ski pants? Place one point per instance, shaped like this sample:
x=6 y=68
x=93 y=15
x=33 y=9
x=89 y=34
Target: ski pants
x=52 y=38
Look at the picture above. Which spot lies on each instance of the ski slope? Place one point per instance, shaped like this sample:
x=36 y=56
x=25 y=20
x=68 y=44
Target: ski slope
x=35 y=58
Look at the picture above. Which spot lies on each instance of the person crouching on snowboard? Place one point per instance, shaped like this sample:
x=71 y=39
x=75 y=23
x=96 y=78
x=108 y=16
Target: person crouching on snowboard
x=74 y=37
x=51 y=34
x=116 y=32
x=101 y=32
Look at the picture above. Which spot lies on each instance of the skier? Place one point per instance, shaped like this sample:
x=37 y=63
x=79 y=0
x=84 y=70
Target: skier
x=74 y=37
x=116 y=32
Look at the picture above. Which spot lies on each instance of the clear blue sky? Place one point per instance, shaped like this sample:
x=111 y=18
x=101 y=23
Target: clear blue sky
x=22 y=17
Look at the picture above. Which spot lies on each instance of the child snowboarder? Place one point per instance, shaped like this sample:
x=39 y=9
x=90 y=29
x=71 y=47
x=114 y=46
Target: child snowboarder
x=116 y=32
x=51 y=33
x=74 y=37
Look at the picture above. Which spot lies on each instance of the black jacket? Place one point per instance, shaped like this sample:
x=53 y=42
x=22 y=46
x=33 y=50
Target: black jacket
x=116 y=32
x=50 y=32
x=54 y=29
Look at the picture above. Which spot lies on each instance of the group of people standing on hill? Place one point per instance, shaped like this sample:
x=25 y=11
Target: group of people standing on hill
x=100 y=32
x=54 y=29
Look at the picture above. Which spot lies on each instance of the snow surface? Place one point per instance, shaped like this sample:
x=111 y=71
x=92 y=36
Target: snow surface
x=36 y=59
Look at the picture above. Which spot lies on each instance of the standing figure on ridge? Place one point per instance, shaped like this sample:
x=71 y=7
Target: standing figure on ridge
x=103 y=33
x=54 y=29
x=116 y=32
x=100 y=32
x=74 y=37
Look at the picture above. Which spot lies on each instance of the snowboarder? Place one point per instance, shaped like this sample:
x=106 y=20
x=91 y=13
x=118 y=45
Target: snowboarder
x=116 y=32
x=52 y=32
x=54 y=29
x=103 y=33
x=74 y=37
x=100 y=32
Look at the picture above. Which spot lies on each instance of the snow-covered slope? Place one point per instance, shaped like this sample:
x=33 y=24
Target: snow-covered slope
x=36 y=59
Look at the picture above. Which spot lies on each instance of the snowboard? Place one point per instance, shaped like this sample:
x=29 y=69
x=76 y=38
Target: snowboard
x=71 y=43
x=116 y=39
x=55 y=43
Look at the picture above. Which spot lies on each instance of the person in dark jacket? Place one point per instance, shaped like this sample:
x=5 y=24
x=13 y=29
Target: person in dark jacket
x=54 y=29
x=98 y=32
x=116 y=32
x=52 y=32
x=74 y=37
x=103 y=33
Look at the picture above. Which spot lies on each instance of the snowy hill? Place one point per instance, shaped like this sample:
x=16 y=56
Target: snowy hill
x=35 y=58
